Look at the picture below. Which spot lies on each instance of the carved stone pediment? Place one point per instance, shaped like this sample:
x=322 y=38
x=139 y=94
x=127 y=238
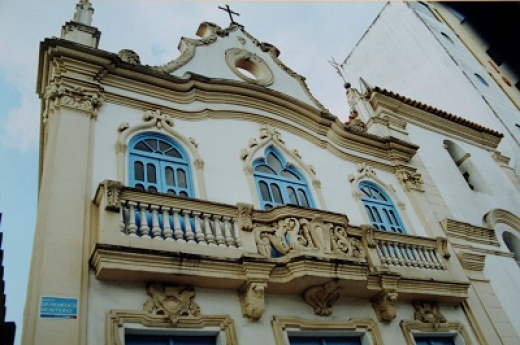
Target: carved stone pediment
x=321 y=297
x=171 y=301
x=428 y=312
x=304 y=236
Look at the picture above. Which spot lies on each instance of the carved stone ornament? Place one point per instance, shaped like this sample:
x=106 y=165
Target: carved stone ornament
x=442 y=247
x=58 y=95
x=357 y=125
x=409 y=179
x=384 y=306
x=292 y=235
x=363 y=170
x=158 y=118
x=252 y=300
x=245 y=218
x=129 y=56
x=368 y=230
x=322 y=297
x=241 y=58
x=428 y=312
x=113 y=193
x=171 y=301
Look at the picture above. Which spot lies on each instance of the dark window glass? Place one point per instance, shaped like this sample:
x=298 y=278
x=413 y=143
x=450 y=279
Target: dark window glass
x=139 y=171
x=150 y=173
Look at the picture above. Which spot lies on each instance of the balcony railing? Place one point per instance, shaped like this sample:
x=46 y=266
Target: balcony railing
x=155 y=226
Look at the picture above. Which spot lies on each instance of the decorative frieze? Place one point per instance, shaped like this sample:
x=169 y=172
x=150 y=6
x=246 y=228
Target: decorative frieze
x=171 y=301
x=322 y=297
x=252 y=300
x=428 y=312
x=58 y=95
x=304 y=236
x=409 y=179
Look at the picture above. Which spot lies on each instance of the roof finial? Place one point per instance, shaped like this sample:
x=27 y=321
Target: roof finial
x=339 y=71
x=230 y=12
x=84 y=12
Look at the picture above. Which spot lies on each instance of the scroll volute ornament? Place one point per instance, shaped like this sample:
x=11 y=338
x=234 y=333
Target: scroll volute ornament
x=252 y=300
x=322 y=297
x=171 y=301
x=384 y=306
x=245 y=218
x=428 y=312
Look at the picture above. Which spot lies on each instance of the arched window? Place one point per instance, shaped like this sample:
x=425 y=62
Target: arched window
x=159 y=164
x=278 y=183
x=380 y=208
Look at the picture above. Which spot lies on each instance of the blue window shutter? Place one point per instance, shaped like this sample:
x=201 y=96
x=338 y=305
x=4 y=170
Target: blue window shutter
x=279 y=184
x=434 y=340
x=158 y=164
x=317 y=340
x=379 y=207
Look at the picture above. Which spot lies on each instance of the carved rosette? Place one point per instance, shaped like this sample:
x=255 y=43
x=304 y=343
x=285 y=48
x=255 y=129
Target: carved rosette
x=428 y=312
x=384 y=306
x=245 y=218
x=252 y=300
x=409 y=179
x=171 y=301
x=322 y=297
x=304 y=236
x=78 y=98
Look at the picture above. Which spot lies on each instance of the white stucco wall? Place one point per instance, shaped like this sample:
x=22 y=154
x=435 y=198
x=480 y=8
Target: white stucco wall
x=405 y=52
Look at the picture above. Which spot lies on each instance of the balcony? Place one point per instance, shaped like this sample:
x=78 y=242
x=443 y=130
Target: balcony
x=144 y=237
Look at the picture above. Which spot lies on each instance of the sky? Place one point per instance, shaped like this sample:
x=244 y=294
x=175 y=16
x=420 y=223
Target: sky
x=308 y=34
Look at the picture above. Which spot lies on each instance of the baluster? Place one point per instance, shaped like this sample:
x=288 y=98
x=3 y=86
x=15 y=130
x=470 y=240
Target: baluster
x=168 y=232
x=238 y=239
x=227 y=232
x=190 y=235
x=431 y=260
x=412 y=255
x=391 y=250
x=144 y=229
x=418 y=260
x=385 y=256
x=399 y=254
x=131 y=228
x=122 y=214
x=424 y=260
x=435 y=260
x=440 y=261
x=408 y=259
x=210 y=239
x=177 y=230
x=218 y=231
x=199 y=235
x=156 y=229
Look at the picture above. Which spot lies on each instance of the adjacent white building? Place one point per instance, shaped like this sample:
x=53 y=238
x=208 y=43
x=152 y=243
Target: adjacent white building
x=214 y=200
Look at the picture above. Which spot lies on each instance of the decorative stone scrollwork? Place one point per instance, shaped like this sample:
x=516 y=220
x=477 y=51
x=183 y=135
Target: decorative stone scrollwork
x=364 y=171
x=322 y=297
x=245 y=218
x=171 y=301
x=158 y=118
x=409 y=179
x=384 y=306
x=368 y=230
x=58 y=95
x=428 y=312
x=268 y=132
x=301 y=235
x=113 y=193
x=129 y=56
x=357 y=125
x=442 y=247
x=252 y=300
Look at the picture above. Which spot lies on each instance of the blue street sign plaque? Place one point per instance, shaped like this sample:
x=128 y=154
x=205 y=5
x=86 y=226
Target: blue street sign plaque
x=58 y=308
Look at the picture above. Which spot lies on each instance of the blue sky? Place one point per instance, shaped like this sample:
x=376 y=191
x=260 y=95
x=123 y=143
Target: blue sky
x=307 y=34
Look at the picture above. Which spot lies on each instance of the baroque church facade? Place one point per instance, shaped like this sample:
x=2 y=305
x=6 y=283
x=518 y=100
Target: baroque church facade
x=214 y=200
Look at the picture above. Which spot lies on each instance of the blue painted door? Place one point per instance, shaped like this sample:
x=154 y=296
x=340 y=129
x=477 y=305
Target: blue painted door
x=434 y=340
x=134 y=339
x=308 y=340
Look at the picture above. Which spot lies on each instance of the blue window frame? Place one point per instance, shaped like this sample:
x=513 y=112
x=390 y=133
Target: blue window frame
x=279 y=184
x=159 y=164
x=317 y=340
x=380 y=208
x=434 y=340
x=134 y=339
